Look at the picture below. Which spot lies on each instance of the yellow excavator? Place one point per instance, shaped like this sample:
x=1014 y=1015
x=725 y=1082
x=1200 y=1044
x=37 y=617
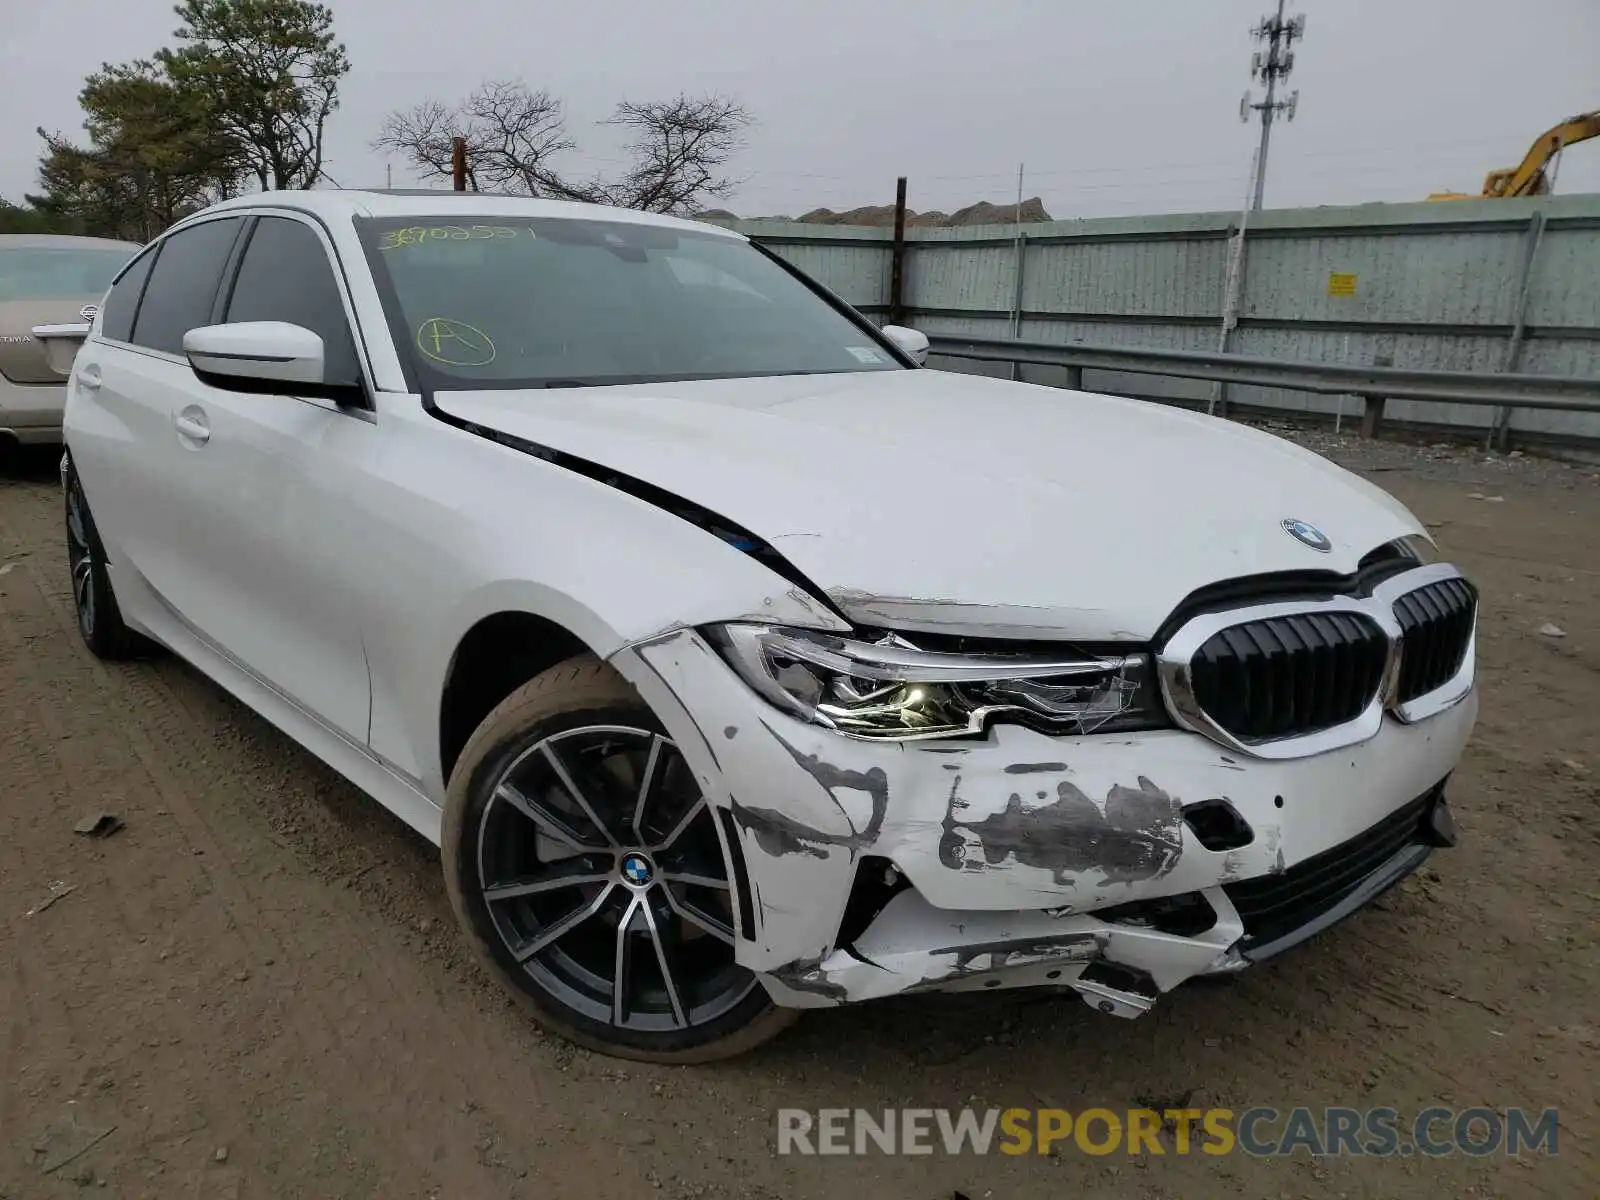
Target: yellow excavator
x=1528 y=178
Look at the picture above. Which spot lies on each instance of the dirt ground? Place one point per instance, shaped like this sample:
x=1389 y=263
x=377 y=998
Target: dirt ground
x=255 y=988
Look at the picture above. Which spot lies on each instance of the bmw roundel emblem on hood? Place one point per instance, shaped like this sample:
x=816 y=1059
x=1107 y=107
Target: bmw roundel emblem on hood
x=1307 y=534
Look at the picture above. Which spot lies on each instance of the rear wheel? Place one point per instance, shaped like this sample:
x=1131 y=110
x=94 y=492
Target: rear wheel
x=99 y=618
x=588 y=871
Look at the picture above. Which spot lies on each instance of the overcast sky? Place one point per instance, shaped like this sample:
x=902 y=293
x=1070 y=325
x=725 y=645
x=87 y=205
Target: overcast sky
x=1114 y=106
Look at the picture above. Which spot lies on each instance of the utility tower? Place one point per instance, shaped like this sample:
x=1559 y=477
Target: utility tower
x=1271 y=66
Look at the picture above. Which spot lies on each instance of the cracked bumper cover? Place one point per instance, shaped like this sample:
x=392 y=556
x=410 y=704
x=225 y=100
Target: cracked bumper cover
x=1010 y=843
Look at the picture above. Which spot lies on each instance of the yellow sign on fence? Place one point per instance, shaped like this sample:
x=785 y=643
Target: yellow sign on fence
x=1341 y=284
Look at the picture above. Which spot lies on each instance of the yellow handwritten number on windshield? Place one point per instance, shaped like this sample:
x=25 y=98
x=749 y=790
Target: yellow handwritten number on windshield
x=416 y=235
x=454 y=343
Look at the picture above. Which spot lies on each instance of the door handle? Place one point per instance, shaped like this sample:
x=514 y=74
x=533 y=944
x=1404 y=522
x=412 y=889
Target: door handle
x=89 y=378
x=191 y=426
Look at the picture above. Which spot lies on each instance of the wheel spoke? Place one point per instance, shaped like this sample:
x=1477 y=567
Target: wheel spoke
x=562 y=927
x=578 y=797
x=83 y=591
x=695 y=810
x=547 y=821
x=666 y=969
x=693 y=880
x=563 y=876
x=75 y=529
x=562 y=819
x=622 y=975
x=700 y=920
x=645 y=780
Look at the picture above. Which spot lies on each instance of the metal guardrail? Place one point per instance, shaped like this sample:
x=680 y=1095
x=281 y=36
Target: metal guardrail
x=1373 y=384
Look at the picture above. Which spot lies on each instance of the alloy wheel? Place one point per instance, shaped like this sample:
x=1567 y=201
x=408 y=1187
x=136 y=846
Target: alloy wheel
x=604 y=876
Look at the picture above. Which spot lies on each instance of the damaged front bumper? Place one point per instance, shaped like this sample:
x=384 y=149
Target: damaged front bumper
x=1119 y=865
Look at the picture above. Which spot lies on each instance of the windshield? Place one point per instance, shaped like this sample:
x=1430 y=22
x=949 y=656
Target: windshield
x=39 y=273
x=554 y=302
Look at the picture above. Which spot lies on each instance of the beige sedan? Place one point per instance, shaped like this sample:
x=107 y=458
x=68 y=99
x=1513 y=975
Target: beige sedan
x=45 y=280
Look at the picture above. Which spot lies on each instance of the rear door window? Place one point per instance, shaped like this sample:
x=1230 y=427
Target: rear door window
x=183 y=284
x=123 y=301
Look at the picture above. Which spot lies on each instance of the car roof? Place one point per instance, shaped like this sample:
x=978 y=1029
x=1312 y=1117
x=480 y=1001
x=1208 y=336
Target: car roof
x=343 y=204
x=62 y=241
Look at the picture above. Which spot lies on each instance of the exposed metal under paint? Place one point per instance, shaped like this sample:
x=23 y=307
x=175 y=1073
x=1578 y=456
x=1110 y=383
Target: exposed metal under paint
x=1136 y=835
x=806 y=975
x=1032 y=768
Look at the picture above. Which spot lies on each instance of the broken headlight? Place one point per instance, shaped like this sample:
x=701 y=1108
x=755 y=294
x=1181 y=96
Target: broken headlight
x=888 y=688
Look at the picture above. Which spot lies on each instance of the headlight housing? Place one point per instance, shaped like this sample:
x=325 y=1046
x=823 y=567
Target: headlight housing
x=889 y=689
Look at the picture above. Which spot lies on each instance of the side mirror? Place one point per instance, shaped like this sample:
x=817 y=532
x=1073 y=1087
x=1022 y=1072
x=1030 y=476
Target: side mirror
x=254 y=355
x=909 y=341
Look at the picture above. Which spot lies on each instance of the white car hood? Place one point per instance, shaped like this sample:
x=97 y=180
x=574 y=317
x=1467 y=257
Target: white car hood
x=939 y=501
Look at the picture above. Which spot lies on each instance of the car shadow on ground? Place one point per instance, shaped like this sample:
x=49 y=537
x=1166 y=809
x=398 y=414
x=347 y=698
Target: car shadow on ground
x=966 y=1044
x=28 y=464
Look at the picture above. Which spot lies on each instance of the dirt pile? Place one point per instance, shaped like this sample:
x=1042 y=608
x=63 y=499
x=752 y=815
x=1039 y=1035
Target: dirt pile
x=881 y=216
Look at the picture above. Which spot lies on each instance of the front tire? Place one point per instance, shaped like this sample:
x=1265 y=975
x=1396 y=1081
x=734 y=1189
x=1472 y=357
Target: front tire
x=586 y=869
x=99 y=619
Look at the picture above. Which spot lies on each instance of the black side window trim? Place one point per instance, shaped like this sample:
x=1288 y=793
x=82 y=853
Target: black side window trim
x=230 y=272
x=330 y=252
x=152 y=249
x=346 y=397
x=154 y=252
x=227 y=264
x=230 y=269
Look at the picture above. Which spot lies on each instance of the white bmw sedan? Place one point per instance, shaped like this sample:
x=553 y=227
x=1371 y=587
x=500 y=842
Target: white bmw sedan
x=737 y=664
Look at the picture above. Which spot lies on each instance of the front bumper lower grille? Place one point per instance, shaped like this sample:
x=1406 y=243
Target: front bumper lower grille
x=1435 y=627
x=1290 y=675
x=1280 y=910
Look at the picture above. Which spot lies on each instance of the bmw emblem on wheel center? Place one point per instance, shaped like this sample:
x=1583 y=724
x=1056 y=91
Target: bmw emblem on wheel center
x=1307 y=534
x=636 y=869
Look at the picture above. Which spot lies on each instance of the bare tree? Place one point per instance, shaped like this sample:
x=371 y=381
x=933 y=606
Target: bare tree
x=512 y=133
x=679 y=150
x=423 y=135
x=515 y=132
